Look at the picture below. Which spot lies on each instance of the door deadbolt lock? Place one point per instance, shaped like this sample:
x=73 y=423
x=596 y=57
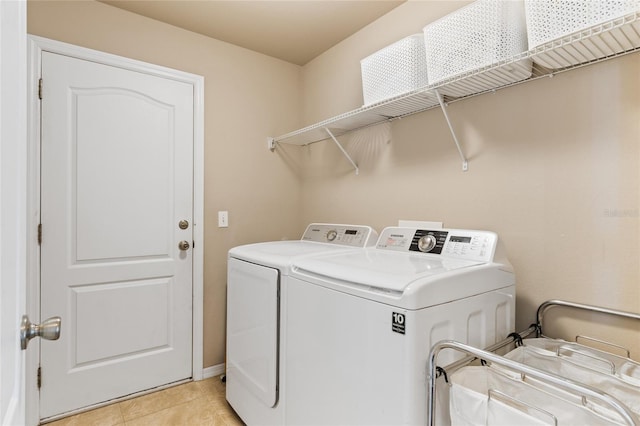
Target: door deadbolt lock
x=183 y=224
x=184 y=245
x=48 y=330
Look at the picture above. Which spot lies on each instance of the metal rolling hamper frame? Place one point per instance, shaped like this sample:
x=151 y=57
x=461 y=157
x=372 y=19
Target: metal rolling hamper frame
x=488 y=355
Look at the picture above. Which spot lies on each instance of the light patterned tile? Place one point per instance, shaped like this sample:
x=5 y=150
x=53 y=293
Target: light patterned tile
x=194 y=403
x=109 y=415
x=160 y=400
x=143 y=405
x=228 y=417
x=183 y=393
x=193 y=413
x=215 y=390
x=212 y=387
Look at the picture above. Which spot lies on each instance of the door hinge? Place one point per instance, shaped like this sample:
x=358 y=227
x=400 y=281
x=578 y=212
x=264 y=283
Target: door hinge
x=39 y=377
x=39 y=234
x=40 y=88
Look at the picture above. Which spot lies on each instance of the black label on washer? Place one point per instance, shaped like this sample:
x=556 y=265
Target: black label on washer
x=397 y=322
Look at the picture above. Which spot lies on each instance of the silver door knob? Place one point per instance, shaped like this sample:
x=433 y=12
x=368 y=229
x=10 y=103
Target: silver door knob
x=49 y=330
x=184 y=245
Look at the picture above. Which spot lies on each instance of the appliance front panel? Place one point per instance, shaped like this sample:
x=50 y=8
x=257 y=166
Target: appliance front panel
x=252 y=334
x=360 y=362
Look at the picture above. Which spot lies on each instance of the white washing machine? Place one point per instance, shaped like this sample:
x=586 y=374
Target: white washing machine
x=360 y=324
x=256 y=315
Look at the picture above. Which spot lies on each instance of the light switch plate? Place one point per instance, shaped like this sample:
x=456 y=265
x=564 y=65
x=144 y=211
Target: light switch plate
x=223 y=219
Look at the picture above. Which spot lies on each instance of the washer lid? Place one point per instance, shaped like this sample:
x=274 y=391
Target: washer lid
x=279 y=254
x=317 y=238
x=386 y=270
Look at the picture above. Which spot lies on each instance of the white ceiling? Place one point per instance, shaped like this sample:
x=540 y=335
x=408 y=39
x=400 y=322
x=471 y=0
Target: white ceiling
x=293 y=30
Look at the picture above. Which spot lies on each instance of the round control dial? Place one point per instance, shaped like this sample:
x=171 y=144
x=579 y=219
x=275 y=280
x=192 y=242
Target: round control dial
x=426 y=243
x=331 y=235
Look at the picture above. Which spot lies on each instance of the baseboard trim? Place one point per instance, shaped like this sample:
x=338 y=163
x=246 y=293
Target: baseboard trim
x=215 y=370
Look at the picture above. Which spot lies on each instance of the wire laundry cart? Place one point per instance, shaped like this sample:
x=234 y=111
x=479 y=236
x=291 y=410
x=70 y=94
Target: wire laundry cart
x=543 y=381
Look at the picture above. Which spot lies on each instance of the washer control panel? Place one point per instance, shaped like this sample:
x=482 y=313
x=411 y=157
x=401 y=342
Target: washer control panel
x=457 y=243
x=427 y=241
x=346 y=235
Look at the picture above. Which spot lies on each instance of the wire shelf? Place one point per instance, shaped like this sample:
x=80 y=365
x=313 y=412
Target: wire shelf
x=605 y=41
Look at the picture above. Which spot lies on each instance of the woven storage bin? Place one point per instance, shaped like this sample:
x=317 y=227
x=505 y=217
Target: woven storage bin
x=548 y=20
x=396 y=69
x=475 y=36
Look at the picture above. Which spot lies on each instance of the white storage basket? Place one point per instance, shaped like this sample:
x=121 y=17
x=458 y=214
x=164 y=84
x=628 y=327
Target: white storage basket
x=480 y=34
x=394 y=70
x=549 y=20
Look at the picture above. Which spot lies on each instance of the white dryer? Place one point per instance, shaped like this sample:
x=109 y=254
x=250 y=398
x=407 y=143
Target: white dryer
x=256 y=315
x=360 y=324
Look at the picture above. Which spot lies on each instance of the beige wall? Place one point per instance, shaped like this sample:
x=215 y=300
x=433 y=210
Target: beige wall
x=248 y=96
x=553 y=169
x=553 y=163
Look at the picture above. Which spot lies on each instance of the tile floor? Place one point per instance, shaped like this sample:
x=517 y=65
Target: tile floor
x=193 y=403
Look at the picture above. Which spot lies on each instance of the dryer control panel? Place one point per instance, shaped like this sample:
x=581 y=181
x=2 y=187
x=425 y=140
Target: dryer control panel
x=345 y=235
x=456 y=243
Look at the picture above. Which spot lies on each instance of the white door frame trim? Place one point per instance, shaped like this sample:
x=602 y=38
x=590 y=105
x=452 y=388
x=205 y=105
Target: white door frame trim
x=36 y=45
x=13 y=205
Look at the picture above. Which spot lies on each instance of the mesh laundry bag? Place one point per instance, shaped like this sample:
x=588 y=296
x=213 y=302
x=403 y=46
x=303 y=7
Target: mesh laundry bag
x=548 y=361
x=521 y=403
x=624 y=368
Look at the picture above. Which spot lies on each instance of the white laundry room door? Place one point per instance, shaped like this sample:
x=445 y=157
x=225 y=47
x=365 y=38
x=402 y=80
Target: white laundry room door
x=116 y=214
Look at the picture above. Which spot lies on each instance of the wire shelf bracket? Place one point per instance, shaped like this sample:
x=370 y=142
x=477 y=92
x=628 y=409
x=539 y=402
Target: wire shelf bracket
x=608 y=40
x=443 y=107
x=271 y=144
x=345 y=153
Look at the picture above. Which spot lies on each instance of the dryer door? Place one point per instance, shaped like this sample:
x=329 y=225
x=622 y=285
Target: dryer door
x=252 y=332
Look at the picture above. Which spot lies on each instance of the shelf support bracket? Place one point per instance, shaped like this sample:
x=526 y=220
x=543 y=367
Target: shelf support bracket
x=271 y=144
x=355 y=166
x=443 y=106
